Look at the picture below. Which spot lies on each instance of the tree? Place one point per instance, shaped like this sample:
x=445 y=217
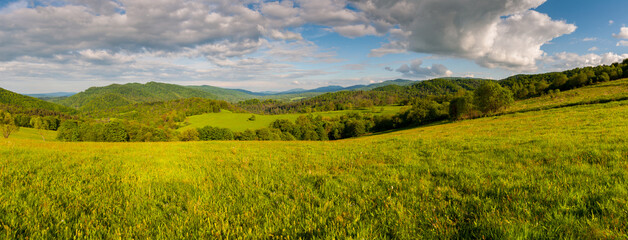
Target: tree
x=560 y=79
x=115 y=132
x=189 y=135
x=68 y=131
x=490 y=97
x=7 y=124
x=40 y=124
x=460 y=106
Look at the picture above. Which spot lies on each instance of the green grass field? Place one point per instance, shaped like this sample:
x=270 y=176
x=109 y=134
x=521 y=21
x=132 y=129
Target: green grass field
x=34 y=134
x=239 y=121
x=557 y=173
x=601 y=92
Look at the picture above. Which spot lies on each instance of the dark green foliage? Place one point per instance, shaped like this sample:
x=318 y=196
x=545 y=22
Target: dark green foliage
x=266 y=134
x=490 y=97
x=189 y=135
x=115 y=132
x=353 y=128
x=214 y=133
x=247 y=135
x=45 y=123
x=92 y=132
x=23 y=120
x=69 y=132
x=460 y=106
x=424 y=111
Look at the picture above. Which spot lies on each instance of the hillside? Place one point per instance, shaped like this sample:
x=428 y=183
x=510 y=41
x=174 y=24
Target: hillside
x=385 y=94
x=230 y=95
x=115 y=95
x=29 y=103
x=236 y=95
x=556 y=173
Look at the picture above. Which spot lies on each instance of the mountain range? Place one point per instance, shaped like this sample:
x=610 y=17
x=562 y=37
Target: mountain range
x=97 y=98
x=124 y=94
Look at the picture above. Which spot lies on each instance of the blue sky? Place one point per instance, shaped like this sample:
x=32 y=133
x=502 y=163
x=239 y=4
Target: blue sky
x=70 y=45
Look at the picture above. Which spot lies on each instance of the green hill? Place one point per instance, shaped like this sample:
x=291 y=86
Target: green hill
x=229 y=95
x=555 y=173
x=12 y=99
x=116 y=95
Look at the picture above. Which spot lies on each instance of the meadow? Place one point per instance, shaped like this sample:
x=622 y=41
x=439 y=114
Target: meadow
x=240 y=121
x=601 y=92
x=555 y=173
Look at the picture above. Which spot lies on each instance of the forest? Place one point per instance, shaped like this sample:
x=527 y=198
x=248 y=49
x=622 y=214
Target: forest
x=140 y=120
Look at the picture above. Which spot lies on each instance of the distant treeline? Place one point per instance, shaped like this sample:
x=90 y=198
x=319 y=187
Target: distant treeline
x=522 y=86
x=343 y=100
x=526 y=86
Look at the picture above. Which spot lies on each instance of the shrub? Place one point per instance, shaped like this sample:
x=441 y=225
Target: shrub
x=490 y=97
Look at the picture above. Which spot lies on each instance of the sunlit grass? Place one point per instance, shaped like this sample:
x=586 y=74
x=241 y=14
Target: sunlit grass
x=601 y=92
x=34 y=134
x=557 y=173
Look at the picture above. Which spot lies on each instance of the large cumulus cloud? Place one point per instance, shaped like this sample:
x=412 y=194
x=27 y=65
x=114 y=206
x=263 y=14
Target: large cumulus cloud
x=494 y=33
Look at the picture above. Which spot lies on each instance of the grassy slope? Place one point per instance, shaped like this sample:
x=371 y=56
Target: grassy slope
x=603 y=92
x=543 y=174
x=239 y=121
x=34 y=134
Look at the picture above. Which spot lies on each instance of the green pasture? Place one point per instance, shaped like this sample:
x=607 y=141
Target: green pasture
x=601 y=92
x=240 y=121
x=34 y=134
x=560 y=173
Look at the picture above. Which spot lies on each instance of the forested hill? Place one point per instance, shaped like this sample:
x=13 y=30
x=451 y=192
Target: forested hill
x=231 y=95
x=385 y=95
x=117 y=95
x=15 y=100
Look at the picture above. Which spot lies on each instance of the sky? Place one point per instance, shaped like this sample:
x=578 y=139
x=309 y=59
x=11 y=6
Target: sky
x=71 y=45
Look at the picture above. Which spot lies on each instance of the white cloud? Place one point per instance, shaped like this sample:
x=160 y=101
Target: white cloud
x=146 y=25
x=593 y=49
x=623 y=33
x=622 y=43
x=414 y=70
x=398 y=43
x=355 y=30
x=591 y=39
x=610 y=22
x=329 y=13
x=566 y=60
x=495 y=33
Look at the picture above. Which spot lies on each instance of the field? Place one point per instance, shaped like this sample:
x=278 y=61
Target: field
x=556 y=173
x=603 y=92
x=240 y=121
x=34 y=134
